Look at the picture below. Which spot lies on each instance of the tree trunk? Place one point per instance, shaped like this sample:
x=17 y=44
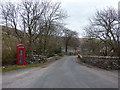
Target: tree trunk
x=66 y=48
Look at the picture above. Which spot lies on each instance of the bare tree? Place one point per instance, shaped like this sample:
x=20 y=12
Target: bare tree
x=68 y=35
x=104 y=26
x=10 y=15
x=74 y=43
x=53 y=15
x=31 y=14
x=4 y=13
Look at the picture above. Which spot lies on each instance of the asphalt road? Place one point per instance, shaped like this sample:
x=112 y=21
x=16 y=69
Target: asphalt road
x=64 y=73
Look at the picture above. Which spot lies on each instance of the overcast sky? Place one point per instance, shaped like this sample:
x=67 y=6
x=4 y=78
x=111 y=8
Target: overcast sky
x=79 y=11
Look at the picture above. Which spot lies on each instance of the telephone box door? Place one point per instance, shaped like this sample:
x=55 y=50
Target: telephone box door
x=21 y=58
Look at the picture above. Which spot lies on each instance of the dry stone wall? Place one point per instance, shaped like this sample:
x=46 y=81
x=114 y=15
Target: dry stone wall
x=105 y=62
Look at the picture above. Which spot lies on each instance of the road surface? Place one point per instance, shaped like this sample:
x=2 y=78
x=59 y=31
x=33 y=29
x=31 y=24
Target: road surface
x=64 y=73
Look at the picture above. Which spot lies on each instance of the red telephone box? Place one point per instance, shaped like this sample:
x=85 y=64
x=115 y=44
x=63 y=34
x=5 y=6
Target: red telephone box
x=21 y=57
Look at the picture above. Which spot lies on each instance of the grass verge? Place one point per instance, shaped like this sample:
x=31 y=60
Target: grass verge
x=15 y=67
x=0 y=69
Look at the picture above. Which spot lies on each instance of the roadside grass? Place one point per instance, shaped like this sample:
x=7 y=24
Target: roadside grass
x=0 y=69
x=16 y=67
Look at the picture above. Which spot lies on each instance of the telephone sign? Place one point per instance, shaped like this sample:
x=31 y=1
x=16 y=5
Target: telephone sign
x=21 y=57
